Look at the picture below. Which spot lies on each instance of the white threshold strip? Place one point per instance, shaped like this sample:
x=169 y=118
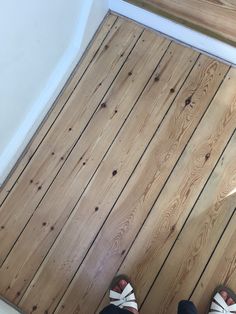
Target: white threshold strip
x=177 y=32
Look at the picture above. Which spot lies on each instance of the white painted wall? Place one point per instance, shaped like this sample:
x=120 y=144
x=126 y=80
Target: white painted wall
x=41 y=42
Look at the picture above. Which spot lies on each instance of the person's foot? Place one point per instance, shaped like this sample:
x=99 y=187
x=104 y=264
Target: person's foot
x=119 y=288
x=227 y=298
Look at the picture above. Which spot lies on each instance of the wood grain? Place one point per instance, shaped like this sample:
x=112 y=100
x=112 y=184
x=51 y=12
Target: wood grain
x=159 y=232
x=44 y=166
x=140 y=126
x=221 y=269
x=73 y=179
x=197 y=240
x=128 y=146
x=214 y=18
x=58 y=106
x=146 y=182
x=140 y=131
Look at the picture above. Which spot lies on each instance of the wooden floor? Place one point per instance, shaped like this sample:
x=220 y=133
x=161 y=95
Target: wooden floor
x=132 y=172
x=212 y=17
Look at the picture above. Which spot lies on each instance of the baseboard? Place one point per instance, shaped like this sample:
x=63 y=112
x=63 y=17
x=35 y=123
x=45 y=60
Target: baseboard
x=201 y=42
x=85 y=31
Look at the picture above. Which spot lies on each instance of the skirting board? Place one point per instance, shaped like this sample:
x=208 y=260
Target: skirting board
x=178 y=32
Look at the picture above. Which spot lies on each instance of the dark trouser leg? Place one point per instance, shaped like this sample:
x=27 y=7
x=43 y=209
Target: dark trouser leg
x=187 y=307
x=112 y=309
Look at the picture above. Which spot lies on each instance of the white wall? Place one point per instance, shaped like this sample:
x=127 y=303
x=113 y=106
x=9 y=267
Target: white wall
x=41 y=42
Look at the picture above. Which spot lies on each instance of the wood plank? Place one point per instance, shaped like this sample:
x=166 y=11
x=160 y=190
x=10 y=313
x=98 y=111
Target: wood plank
x=178 y=196
x=46 y=163
x=73 y=178
x=214 y=18
x=58 y=105
x=197 y=240
x=143 y=271
x=123 y=157
x=221 y=269
x=139 y=194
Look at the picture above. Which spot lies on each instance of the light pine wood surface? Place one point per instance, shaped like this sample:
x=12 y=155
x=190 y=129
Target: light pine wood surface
x=212 y=17
x=66 y=132
x=134 y=172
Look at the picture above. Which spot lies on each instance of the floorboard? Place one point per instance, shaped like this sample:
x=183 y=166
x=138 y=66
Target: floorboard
x=58 y=106
x=141 y=191
x=52 y=155
x=122 y=157
x=132 y=172
x=197 y=240
x=73 y=179
x=221 y=269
